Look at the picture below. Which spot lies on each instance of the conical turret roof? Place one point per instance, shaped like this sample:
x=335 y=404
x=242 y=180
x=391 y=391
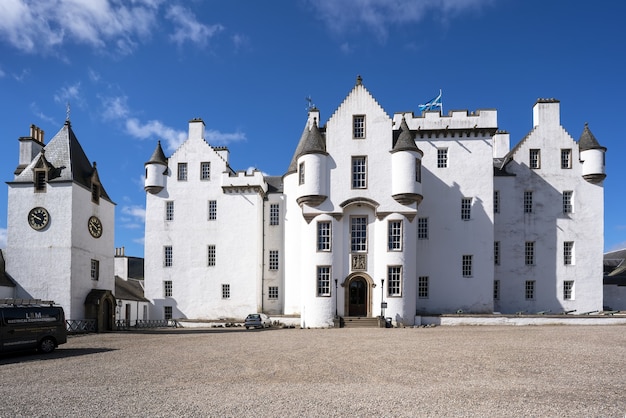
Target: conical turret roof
x=588 y=141
x=405 y=141
x=158 y=156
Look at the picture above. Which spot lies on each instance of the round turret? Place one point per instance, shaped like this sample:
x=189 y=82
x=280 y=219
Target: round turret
x=592 y=156
x=156 y=171
x=406 y=167
x=312 y=169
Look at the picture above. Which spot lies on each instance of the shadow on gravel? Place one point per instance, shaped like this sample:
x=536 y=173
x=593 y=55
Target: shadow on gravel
x=27 y=356
x=172 y=331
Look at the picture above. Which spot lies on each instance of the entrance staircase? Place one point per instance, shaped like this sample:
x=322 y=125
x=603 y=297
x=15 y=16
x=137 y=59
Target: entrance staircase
x=359 y=322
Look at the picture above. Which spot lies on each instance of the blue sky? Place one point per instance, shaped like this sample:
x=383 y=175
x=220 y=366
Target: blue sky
x=137 y=71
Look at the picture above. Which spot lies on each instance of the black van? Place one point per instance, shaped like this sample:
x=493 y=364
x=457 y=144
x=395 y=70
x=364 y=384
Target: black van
x=30 y=326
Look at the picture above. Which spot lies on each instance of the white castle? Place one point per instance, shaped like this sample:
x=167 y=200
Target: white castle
x=380 y=216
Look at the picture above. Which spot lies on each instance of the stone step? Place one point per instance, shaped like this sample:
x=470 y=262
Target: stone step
x=359 y=322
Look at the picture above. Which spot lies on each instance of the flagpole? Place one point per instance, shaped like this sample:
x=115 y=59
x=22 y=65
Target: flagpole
x=441 y=98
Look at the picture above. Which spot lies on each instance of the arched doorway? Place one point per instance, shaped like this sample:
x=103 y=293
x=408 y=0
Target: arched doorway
x=357 y=297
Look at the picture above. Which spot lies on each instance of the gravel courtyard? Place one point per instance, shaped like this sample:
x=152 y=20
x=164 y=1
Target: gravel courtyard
x=554 y=371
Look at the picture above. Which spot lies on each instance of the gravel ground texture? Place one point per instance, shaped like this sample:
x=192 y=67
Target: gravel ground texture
x=465 y=371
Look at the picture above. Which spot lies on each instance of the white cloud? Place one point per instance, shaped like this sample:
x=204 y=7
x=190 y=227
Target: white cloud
x=156 y=129
x=34 y=26
x=377 y=16
x=173 y=137
x=3 y=237
x=187 y=27
x=137 y=213
x=115 y=107
x=68 y=93
x=2 y=73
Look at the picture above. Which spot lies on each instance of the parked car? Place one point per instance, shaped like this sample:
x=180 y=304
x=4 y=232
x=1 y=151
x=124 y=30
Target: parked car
x=258 y=320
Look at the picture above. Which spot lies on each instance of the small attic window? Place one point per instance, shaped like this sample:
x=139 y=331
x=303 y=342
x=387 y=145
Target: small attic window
x=41 y=177
x=358 y=126
x=95 y=193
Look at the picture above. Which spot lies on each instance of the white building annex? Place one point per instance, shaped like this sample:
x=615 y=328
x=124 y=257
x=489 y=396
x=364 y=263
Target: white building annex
x=424 y=214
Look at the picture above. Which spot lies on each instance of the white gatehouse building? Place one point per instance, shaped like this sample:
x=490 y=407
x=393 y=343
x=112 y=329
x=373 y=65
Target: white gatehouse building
x=401 y=216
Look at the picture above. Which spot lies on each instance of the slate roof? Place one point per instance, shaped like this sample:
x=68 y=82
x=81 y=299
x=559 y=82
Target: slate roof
x=130 y=289
x=405 y=141
x=588 y=141
x=311 y=141
x=274 y=184
x=66 y=160
x=158 y=156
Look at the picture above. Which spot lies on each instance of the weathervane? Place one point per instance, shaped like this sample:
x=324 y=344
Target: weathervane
x=67 y=111
x=310 y=105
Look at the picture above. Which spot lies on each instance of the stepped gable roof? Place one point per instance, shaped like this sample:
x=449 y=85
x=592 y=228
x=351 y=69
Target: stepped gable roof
x=587 y=141
x=66 y=161
x=405 y=141
x=311 y=142
x=130 y=289
x=158 y=156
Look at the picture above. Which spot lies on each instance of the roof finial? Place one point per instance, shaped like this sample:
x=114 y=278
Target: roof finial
x=310 y=105
x=67 y=112
x=359 y=80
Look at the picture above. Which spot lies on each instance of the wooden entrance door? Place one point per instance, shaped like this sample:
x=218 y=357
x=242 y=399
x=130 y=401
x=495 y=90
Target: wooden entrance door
x=358 y=297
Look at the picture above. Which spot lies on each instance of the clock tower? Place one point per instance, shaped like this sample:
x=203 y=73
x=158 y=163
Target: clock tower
x=60 y=238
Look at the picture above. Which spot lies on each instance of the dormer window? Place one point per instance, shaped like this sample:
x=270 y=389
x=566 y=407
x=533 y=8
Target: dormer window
x=41 y=178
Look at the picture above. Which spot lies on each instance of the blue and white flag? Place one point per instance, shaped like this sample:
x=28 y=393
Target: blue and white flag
x=434 y=104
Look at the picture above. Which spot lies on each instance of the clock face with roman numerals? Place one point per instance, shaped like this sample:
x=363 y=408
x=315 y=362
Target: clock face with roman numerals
x=38 y=218
x=95 y=227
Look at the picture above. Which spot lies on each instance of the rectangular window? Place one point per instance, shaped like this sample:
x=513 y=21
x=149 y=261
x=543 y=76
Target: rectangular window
x=566 y=158
x=529 y=253
x=212 y=210
x=167 y=256
x=272 y=292
x=418 y=170
x=422 y=287
x=301 y=173
x=274 y=214
x=496 y=201
x=40 y=180
x=528 y=201
x=95 y=269
x=211 y=255
x=529 y=289
x=169 y=210
x=567 y=201
x=496 y=289
x=95 y=193
x=359 y=172
x=167 y=288
x=323 y=280
x=323 y=236
x=273 y=262
x=167 y=312
x=534 y=158
x=466 y=266
x=394 y=236
x=358 y=234
x=358 y=126
x=466 y=208
x=422 y=228
x=568 y=252
x=568 y=289
x=496 y=253
x=442 y=157
x=182 y=171
x=225 y=291
x=394 y=281
x=205 y=170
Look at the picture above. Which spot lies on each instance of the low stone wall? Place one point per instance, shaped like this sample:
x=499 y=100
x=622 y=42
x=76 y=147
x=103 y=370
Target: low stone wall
x=452 y=319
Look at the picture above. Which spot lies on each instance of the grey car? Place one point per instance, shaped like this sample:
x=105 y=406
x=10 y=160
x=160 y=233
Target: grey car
x=258 y=320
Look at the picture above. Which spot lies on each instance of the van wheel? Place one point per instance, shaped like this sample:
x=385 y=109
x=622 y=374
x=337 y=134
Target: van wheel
x=47 y=345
